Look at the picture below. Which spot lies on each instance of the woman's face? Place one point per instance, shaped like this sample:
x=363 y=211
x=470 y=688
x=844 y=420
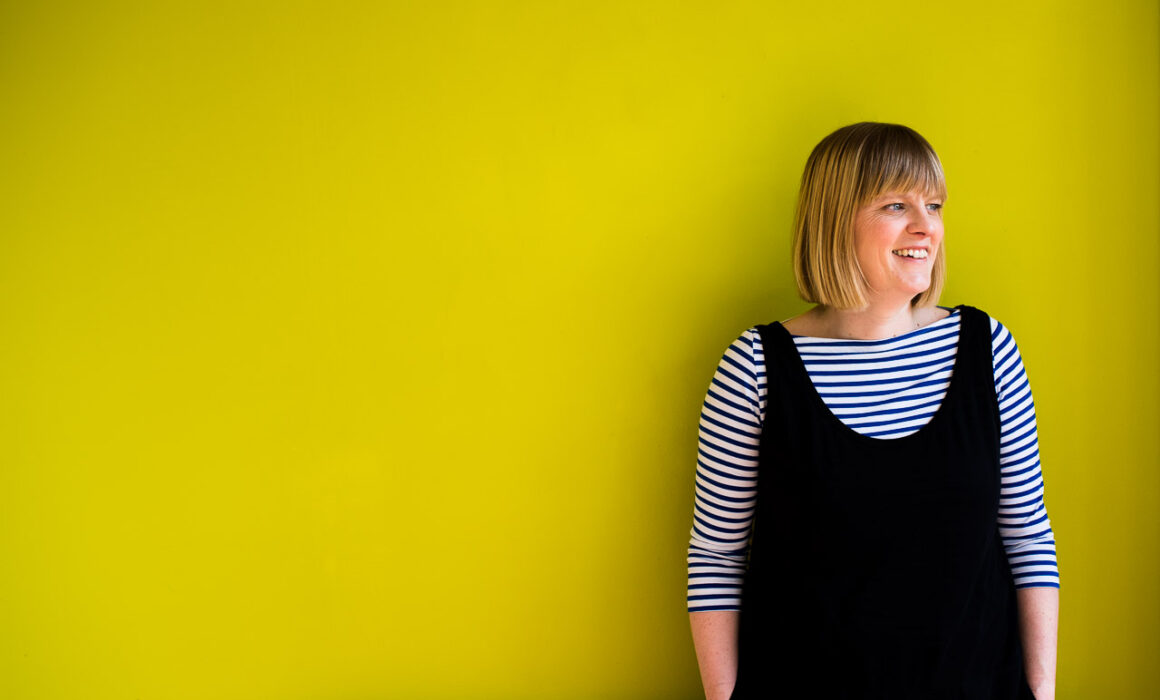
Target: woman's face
x=898 y=221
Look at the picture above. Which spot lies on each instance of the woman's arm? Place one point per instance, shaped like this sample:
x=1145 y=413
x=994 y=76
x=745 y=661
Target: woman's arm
x=726 y=480
x=1023 y=522
x=715 y=638
x=1038 y=628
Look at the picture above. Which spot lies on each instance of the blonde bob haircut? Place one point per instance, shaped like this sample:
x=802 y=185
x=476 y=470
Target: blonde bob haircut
x=845 y=172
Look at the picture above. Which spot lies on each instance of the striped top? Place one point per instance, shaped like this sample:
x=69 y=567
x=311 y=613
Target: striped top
x=849 y=375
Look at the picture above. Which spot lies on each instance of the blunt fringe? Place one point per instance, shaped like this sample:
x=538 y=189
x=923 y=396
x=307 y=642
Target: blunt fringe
x=845 y=171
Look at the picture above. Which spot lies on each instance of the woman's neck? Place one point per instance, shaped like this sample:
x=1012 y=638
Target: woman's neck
x=875 y=322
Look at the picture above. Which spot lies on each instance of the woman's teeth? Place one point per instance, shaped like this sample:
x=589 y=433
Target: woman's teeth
x=919 y=254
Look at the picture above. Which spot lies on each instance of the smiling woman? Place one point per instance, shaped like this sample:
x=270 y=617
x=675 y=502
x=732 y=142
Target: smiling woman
x=895 y=235
x=870 y=517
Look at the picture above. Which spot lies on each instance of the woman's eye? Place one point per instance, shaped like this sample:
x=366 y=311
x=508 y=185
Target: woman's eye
x=934 y=206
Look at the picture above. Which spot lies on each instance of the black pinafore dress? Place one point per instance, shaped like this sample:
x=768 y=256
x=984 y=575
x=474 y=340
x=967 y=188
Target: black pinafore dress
x=876 y=568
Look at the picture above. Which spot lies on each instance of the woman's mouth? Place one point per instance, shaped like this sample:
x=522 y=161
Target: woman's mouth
x=912 y=254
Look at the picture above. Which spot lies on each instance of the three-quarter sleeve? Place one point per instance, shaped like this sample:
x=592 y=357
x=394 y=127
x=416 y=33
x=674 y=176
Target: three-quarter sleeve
x=726 y=477
x=1023 y=524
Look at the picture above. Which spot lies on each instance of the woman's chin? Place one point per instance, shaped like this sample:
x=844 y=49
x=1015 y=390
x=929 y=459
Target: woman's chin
x=918 y=285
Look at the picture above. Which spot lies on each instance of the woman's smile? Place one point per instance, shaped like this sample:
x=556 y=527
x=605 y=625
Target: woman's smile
x=913 y=254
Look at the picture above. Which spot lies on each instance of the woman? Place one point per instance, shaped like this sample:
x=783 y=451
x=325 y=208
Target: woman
x=869 y=517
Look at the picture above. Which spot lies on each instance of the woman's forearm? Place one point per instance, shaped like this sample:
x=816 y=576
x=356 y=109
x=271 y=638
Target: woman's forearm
x=715 y=639
x=1038 y=629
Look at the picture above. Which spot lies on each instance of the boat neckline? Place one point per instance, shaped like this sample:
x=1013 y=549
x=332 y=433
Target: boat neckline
x=953 y=312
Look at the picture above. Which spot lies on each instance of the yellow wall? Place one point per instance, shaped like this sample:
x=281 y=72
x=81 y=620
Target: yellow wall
x=351 y=351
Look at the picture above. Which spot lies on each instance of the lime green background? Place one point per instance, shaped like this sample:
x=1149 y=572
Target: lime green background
x=356 y=351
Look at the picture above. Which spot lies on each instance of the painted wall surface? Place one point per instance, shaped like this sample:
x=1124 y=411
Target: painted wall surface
x=356 y=350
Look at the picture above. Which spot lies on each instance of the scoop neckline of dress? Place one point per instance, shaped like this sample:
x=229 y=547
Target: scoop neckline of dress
x=867 y=341
x=924 y=430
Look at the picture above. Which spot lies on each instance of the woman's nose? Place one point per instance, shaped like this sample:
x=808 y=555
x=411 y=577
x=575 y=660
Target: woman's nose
x=923 y=222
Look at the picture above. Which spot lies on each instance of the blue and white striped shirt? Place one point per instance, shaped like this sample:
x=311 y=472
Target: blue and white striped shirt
x=849 y=376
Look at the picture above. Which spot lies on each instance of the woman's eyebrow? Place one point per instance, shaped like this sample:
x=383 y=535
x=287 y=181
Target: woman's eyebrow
x=906 y=195
x=888 y=196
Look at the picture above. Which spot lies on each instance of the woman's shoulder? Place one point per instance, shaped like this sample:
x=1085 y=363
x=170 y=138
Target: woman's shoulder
x=1005 y=353
x=745 y=347
x=805 y=323
x=993 y=323
x=933 y=314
